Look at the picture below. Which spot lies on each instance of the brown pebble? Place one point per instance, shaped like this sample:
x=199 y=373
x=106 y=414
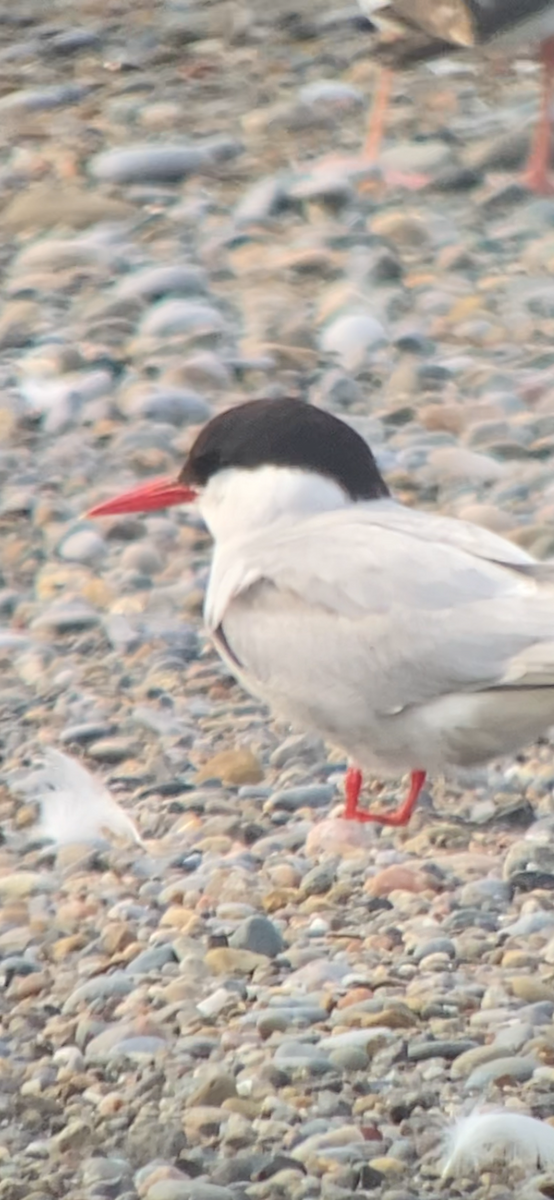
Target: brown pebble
x=223 y=960
x=213 y=1091
x=66 y=945
x=28 y=985
x=531 y=990
x=235 y=767
x=398 y=879
x=406 y=229
x=354 y=997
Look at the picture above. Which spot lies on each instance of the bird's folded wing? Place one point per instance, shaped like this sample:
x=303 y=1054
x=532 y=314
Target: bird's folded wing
x=435 y=528
x=341 y=602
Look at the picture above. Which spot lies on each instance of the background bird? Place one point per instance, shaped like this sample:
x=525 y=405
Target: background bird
x=409 y=30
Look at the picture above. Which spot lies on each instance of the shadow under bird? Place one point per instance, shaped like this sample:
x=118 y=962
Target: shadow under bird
x=414 y=642
x=409 y=30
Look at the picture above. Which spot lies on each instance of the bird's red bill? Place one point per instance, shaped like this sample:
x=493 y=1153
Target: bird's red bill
x=157 y=493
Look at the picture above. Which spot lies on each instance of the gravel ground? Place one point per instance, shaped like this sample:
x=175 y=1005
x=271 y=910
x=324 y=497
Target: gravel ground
x=258 y=1001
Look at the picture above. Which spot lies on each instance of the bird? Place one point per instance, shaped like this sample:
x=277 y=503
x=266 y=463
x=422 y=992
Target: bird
x=412 y=641
x=408 y=30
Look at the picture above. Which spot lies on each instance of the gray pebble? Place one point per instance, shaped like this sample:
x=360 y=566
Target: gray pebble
x=352 y=337
x=319 y=880
x=112 y=749
x=72 y=41
x=84 y=546
x=151 y=960
x=434 y=946
x=100 y=987
x=517 y=1069
x=297 y=1056
x=420 y=1051
x=152 y=283
x=331 y=93
x=312 y=795
x=337 y=390
x=66 y=617
x=529 y=864
x=142 y=557
x=350 y=1058
x=491 y=893
x=259 y=935
x=331 y=188
x=417 y=157
x=528 y=924
x=513 y=1037
x=265 y=199
x=87 y=732
x=156 y=163
x=45 y=98
x=138 y=1048
x=104 y=1170
x=181 y=316
x=176 y=407
x=282 y=1018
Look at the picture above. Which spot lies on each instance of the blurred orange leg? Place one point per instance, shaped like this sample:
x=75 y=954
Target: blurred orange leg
x=375 y=134
x=537 y=171
x=378 y=115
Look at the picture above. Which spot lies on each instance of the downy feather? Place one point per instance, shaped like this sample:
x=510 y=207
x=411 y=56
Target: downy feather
x=75 y=806
x=485 y=1137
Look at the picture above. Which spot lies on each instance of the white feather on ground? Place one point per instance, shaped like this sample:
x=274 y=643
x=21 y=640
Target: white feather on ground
x=76 y=807
x=485 y=1137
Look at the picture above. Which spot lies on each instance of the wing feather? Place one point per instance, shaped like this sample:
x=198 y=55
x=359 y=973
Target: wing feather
x=414 y=617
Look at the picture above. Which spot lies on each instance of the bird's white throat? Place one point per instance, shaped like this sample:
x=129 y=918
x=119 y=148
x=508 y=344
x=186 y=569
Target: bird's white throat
x=238 y=501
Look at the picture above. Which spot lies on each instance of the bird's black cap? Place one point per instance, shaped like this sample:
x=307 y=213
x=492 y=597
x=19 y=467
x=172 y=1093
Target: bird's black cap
x=285 y=433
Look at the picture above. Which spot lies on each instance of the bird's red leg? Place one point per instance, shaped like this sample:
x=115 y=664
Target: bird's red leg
x=402 y=815
x=352 y=789
x=537 y=171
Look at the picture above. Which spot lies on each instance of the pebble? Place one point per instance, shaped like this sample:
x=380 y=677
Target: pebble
x=172 y=406
x=351 y=338
x=102 y=987
x=67 y=617
x=318 y=881
x=151 y=960
x=239 y=766
x=160 y=163
x=397 y=878
x=265 y=199
x=45 y=207
x=153 y=283
x=187 y=1189
x=259 y=935
x=291 y=799
x=511 y=1069
x=85 y=546
x=138 y=1049
x=230 y=960
x=420 y=1051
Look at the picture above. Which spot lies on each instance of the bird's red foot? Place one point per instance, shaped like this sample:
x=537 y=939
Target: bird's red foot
x=353 y=787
